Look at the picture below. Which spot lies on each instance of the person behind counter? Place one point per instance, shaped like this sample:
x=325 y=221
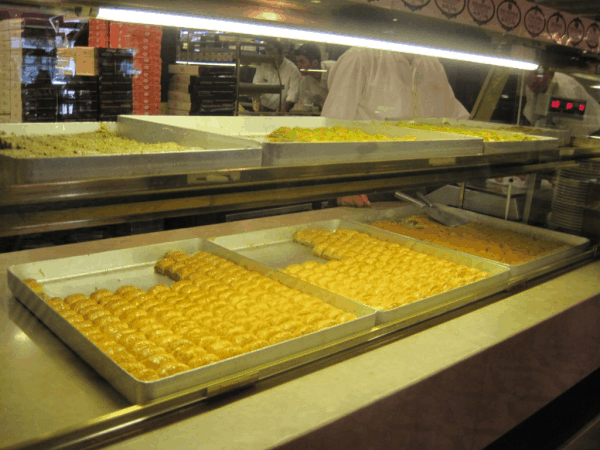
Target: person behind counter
x=561 y=86
x=312 y=89
x=369 y=84
x=286 y=73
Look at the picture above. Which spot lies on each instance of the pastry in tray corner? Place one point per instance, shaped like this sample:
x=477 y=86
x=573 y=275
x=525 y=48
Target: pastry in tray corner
x=215 y=310
x=380 y=274
x=502 y=245
x=35 y=287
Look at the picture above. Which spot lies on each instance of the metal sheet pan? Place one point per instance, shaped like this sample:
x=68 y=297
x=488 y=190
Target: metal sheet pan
x=544 y=142
x=208 y=151
x=110 y=270
x=573 y=245
x=277 y=249
x=429 y=144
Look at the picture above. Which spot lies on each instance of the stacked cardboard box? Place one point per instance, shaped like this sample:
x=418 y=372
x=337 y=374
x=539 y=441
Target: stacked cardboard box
x=180 y=100
x=146 y=85
x=27 y=67
x=78 y=61
x=200 y=90
x=115 y=85
x=78 y=100
x=99 y=33
x=213 y=92
x=145 y=41
x=10 y=70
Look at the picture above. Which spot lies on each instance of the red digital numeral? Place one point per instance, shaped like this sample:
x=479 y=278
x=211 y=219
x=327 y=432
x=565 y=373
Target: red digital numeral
x=581 y=107
x=555 y=103
x=569 y=105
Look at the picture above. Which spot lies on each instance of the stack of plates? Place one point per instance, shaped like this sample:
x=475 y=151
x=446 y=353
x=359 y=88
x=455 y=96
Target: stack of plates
x=570 y=194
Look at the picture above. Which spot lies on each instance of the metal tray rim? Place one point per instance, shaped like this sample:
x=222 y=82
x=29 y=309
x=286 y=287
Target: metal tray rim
x=137 y=391
x=499 y=273
x=577 y=244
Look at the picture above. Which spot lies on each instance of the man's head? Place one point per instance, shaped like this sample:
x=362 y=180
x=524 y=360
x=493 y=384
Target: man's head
x=308 y=56
x=537 y=82
x=275 y=49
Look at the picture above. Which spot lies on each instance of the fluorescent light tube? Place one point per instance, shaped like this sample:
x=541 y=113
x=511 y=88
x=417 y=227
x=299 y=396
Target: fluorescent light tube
x=207 y=63
x=596 y=86
x=255 y=29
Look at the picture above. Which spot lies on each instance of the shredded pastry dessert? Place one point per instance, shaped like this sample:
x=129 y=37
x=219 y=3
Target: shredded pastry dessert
x=381 y=274
x=97 y=143
x=215 y=310
x=487 y=134
x=329 y=134
x=505 y=246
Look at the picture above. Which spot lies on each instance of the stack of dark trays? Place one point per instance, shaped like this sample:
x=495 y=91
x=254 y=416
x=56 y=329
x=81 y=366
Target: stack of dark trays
x=213 y=92
x=115 y=83
x=38 y=94
x=78 y=100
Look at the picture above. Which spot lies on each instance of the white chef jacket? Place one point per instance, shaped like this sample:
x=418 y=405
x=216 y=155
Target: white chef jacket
x=312 y=91
x=290 y=77
x=368 y=84
x=564 y=86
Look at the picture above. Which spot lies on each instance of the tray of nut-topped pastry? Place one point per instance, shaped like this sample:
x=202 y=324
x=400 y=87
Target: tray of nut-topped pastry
x=159 y=319
x=523 y=248
x=400 y=277
x=45 y=152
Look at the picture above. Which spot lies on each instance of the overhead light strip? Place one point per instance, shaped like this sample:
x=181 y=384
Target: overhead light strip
x=254 y=29
x=207 y=63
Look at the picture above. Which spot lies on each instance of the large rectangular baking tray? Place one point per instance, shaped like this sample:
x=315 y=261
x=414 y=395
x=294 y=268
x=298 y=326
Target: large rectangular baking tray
x=208 y=151
x=544 y=142
x=429 y=144
x=277 y=249
x=110 y=270
x=573 y=245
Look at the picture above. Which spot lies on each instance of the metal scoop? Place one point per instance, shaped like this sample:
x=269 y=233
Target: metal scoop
x=432 y=210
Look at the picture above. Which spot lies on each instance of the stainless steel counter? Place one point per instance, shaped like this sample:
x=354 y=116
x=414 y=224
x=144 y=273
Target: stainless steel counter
x=457 y=381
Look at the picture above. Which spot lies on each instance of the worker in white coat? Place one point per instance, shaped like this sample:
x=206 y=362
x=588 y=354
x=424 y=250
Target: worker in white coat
x=285 y=73
x=313 y=88
x=368 y=84
x=562 y=86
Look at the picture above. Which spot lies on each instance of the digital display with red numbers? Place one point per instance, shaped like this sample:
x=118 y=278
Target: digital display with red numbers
x=567 y=107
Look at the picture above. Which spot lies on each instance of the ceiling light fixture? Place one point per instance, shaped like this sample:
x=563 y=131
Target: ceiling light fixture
x=256 y=29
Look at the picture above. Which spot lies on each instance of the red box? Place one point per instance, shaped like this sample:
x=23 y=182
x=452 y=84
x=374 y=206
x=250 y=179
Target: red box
x=148 y=65
x=142 y=101
x=147 y=78
x=136 y=28
x=99 y=25
x=148 y=113
x=138 y=82
x=146 y=94
x=98 y=43
x=147 y=52
x=146 y=87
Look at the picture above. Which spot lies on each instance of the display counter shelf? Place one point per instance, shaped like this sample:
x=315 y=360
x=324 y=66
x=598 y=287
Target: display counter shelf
x=51 y=206
x=454 y=380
